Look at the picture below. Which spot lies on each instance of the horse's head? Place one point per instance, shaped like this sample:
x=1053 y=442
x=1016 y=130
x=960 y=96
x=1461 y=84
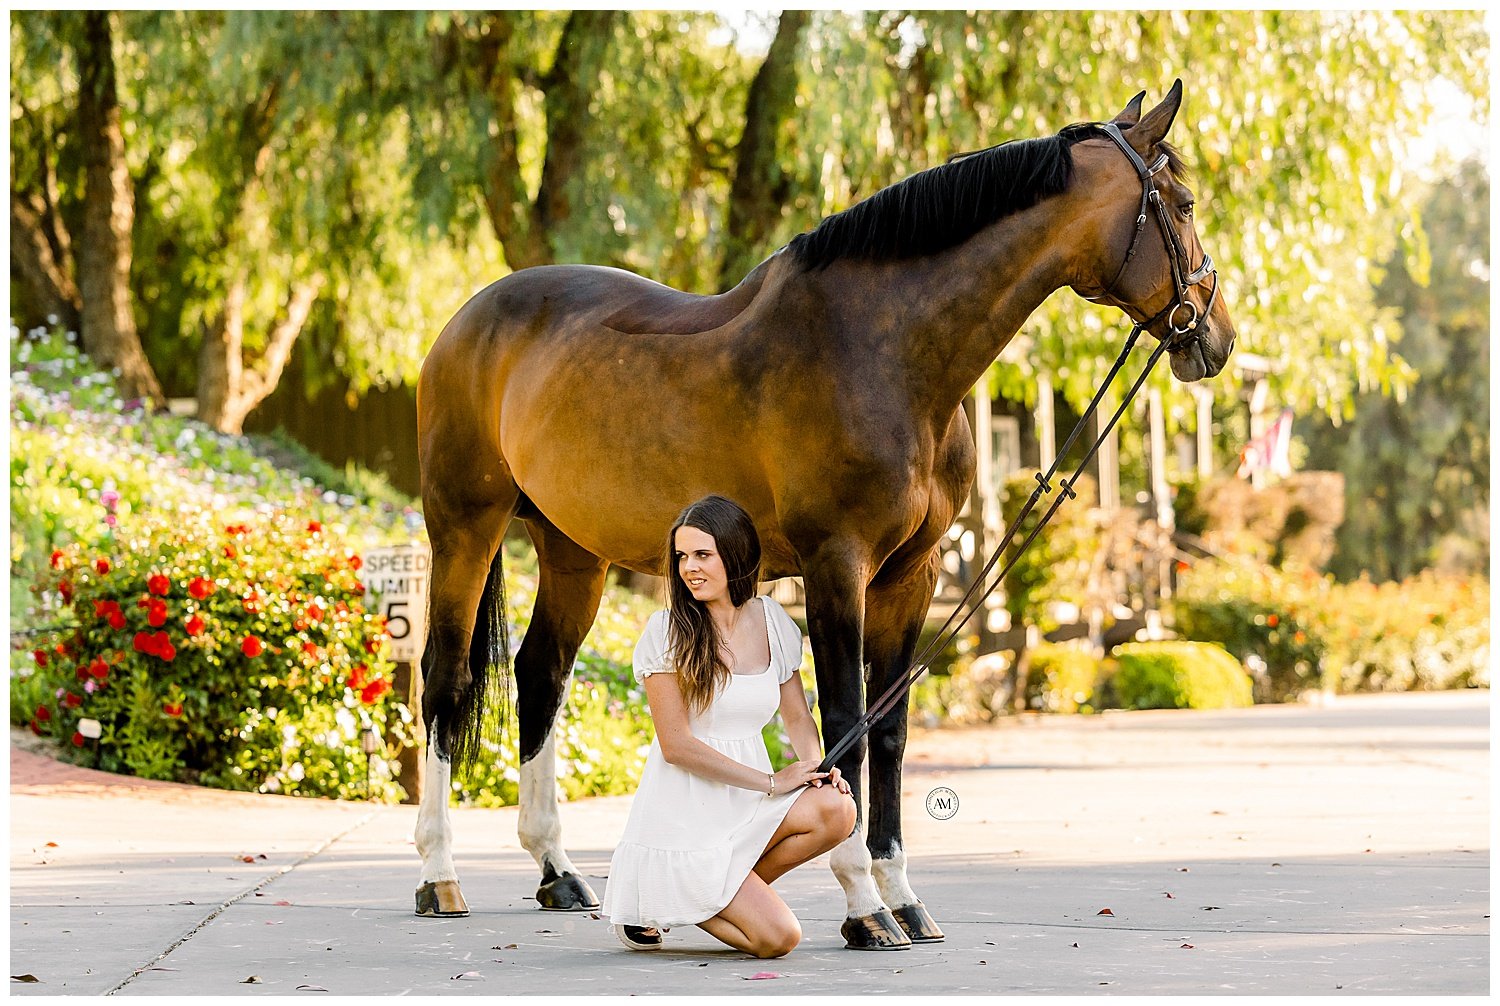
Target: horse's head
x=1146 y=256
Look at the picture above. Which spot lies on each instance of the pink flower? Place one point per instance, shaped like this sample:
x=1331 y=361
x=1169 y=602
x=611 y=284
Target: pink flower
x=252 y=646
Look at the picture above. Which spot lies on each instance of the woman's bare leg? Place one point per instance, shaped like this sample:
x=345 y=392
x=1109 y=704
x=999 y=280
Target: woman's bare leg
x=757 y=921
x=820 y=819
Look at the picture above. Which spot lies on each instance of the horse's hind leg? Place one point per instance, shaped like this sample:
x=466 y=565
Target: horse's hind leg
x=570 y=584
x=465 y=538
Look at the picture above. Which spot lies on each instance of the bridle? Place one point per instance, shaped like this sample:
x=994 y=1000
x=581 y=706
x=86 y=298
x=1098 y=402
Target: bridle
x=1180 y=337
x=1189 y=331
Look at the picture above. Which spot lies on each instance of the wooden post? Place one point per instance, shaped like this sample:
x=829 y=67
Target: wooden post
x=1205 y=432
x=408 y=684
x=1046 y=424
x=1108 y=457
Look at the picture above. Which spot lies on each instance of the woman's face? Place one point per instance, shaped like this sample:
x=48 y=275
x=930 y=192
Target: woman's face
x=699 y=565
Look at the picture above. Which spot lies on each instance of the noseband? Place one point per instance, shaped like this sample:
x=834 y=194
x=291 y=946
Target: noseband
x=1190 y=330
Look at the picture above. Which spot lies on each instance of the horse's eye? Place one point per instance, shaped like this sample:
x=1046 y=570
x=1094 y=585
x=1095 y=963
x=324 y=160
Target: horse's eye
x=1187 y=209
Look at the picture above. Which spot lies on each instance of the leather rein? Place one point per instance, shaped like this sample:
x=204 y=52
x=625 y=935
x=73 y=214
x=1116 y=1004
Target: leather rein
x=1180 y=337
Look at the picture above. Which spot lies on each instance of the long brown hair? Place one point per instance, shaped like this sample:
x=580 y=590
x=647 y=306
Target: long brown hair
x=692 y=637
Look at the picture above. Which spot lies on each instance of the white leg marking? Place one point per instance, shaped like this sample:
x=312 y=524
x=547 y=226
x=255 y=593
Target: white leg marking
x=851 y=865
x=890 y=877
x=540 y=828
x=434 y=833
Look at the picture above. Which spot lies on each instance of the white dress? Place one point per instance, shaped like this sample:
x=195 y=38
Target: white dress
x=690 y=842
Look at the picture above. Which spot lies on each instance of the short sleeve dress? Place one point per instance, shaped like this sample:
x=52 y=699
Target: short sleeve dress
x=690 y=842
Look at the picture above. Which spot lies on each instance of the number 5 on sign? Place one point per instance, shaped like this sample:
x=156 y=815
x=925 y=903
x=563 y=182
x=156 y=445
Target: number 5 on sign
x=398 y=577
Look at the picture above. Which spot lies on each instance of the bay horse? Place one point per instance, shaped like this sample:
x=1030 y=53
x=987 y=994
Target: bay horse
x=823 y=394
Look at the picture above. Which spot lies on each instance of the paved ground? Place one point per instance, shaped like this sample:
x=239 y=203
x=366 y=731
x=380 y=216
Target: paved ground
x=1341 y=849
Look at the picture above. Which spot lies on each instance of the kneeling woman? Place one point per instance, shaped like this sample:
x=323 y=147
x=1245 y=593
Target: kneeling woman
x=712 y=825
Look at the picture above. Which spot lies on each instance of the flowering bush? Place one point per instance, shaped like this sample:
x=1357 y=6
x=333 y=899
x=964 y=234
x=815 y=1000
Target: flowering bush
x=207 y=656
x=1062 y=679
x=1300 y=630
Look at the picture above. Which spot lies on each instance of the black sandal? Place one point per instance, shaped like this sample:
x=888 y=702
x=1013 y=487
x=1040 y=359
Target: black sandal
x=639 y=937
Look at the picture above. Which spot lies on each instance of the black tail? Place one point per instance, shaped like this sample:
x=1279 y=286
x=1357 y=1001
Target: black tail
x=489 y=650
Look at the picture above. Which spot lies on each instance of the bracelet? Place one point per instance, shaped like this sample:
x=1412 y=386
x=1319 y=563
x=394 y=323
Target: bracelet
x=772 y=791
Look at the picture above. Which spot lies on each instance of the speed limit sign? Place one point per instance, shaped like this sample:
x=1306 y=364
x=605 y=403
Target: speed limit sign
x=398 y=576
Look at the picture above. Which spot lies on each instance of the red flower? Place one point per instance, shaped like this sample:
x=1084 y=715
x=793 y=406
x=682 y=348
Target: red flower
x=36 y=728
x=157 y=644
x=201 y=587
x=374 y=690
x=355 y=562
x=158 y=583
x=236 y=529
x=99 y=668
x=40 y=656
x=164 y=647
x=72 y=701
x=315 y=613
x=102 y=565
x=229 y=551
x=117 y=619
x=252 y=647
x=1273 y=620
x=81 y=673
x=65 y=588
x=313 y=527
x=252 y=602
x=57 y=558
x=357 y=679
x=43 y=714
x=194 y=625
x=156 y=613
x=77 y=740
x=1299 y=637
x=173 y=709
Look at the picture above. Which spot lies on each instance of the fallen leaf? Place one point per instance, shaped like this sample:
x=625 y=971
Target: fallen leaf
x=1075 y=946
x=1210 y=908
x=183 y=902
x=1275 y=864
x=284 y=903
x=984 y=962
x=762 y=974
x=1183 y=869
x=509 y=946
x=28 y=979
x=1186 y=946
x=704 y=964
x=159 y=968
x=252 y=980
x=1169 y=894
x=468 y=975
x=311 y=988
x=274 y=922
x=246 y=859
x=1104 y=911
x=593 y=915
x=51 y=845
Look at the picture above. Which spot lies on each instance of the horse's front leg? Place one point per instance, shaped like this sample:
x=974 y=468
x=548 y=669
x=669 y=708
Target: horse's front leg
x=835 y=584
x=895 y=612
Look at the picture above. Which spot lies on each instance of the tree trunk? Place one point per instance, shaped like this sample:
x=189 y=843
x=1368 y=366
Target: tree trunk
x=759 y=190
x=47 y=284
x=526 y=227
x=103 y=257
x=227 y=390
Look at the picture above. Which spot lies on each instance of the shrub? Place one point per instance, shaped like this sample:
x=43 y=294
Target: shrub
x=1062 y=679
x=1055 y=569
x=207 y=656
x=1179 y=675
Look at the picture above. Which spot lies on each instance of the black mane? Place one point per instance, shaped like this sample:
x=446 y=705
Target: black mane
x=944 y=206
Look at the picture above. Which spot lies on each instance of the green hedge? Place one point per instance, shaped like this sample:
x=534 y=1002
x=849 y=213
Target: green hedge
x=1062 y=679
x=1179 y=675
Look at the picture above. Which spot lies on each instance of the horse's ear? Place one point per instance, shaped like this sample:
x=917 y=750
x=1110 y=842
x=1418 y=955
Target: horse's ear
x=1132 y=112
x=1152 y=128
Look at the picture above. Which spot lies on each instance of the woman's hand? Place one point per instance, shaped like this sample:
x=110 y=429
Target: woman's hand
x=799 y=773
x=837 y=781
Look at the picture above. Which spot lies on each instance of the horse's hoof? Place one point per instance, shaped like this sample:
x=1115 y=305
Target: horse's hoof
x=918 y=924
x=879 y=931
x=567 y=892
x=441 y=900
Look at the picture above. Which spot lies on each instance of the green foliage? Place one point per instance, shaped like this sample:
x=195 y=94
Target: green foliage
x=1302 y=631
x=967 y=690
x=207 y=657
x=1062 y=679
x=1054 y=570
x=1417 y=470
x=1179 y=675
